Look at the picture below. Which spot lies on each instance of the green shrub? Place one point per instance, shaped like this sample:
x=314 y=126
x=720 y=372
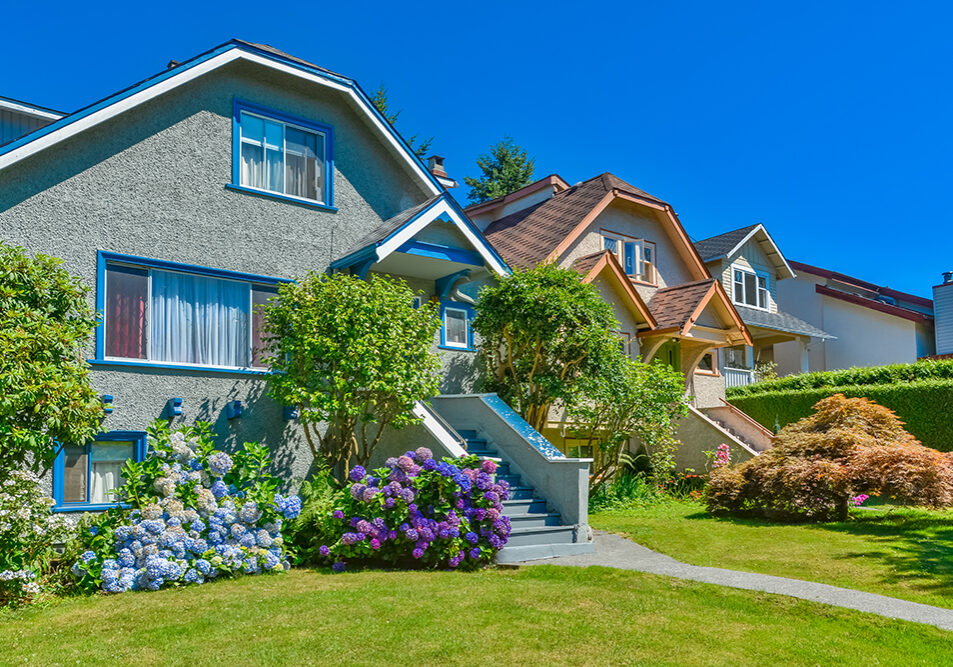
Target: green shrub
x=872 y=375
x=925 y=407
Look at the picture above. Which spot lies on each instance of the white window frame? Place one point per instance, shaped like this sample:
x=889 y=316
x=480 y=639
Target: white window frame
x=465 y=345
x=645 y=253
x=759 y=290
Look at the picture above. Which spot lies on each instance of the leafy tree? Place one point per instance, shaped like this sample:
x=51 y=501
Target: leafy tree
x=46 y=399
x=542 y=331
x=352 y=354
x=379 y=98
x=849 y=447
x=628 y=398
x=506 y=168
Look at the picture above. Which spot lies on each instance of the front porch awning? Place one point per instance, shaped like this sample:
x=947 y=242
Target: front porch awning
x=768 y=328
x=430 y=240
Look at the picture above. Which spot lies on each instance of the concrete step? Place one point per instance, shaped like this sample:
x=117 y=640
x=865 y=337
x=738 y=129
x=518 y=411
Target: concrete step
x=521 y=506
x=524 y=537
x=511 y=479
x=522 y=492
x=535 y=520
x=516 y=554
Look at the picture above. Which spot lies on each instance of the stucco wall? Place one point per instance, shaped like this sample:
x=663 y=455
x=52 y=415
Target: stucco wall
x=707 y=389
x=152 y=183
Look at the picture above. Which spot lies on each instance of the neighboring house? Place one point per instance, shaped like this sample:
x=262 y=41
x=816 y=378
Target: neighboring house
x=873 y=325
x=184 y=200
x=19 y=118
x=751 y=267
x=633 y=248
x=943 y=313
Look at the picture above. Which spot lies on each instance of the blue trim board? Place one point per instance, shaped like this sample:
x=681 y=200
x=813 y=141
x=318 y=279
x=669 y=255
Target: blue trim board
x=104 y=256
x=239 y=105
x=469 y=223
x=282 y=197
x=456 y=305
x=145 y=363
x=449 y=253
x=138 y=438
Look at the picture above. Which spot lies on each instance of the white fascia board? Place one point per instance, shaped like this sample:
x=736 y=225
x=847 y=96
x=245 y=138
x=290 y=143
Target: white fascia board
x=27 y=110
x=191 y=73
x=761 y=228
x=440 y=208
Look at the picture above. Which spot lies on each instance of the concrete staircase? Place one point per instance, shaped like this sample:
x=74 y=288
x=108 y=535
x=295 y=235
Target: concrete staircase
x=741 y=427
x=537 y=532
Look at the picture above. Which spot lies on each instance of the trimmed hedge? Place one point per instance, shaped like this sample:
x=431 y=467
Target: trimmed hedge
x=873 y=375
x=926 y=407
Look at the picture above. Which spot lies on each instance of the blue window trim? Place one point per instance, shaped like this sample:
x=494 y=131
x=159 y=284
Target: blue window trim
x=104 y=257
x=140 y=442
x=240 y=105
x=470 y=311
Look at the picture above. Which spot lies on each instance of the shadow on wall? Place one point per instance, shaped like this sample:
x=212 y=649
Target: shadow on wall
x=462 y=373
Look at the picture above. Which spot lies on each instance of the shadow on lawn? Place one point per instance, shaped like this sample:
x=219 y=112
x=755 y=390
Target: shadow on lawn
x=915 y=545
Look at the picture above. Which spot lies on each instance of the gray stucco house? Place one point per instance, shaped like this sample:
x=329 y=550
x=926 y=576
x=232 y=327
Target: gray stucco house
x=183 y=200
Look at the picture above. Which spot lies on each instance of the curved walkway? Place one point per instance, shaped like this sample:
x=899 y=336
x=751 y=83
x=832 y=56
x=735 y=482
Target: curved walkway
x=618 y=552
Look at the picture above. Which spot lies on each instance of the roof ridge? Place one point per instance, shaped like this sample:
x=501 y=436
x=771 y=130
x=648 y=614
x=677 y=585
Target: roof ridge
x=693 y=283
x=730 y=231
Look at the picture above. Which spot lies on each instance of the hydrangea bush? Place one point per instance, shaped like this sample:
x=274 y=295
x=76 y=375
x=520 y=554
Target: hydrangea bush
x=417 y=511
x=28 y=531
x=194 y=513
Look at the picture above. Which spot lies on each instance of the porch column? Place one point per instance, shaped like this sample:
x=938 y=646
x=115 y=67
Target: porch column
x=804 y=356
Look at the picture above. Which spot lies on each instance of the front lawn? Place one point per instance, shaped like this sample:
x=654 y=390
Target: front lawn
x=904 y=553
x=535 y=615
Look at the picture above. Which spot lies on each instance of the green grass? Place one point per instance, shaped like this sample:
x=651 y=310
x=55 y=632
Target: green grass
x=904 y=553
x=535 y=615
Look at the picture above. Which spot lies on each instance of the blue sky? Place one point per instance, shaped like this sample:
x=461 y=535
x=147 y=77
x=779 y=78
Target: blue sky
x=828 y=122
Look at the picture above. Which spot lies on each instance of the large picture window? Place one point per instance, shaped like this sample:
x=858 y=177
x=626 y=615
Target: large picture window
x=282 y=155
x=173 y=315
x=86 y=476
x=637 y=256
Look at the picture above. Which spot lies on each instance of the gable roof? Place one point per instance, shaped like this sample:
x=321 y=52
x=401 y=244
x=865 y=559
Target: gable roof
x=725 y=245
x=25 y=108
x=863 y=284
x=606 y=265
x=189 y=70
x=677 y=308
x=393 y=233
x=544 y=231
x=554 y=181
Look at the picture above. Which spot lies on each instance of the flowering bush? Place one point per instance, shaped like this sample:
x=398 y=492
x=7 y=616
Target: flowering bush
x=720 y=457
x=28 y=530
x=849 y=448
x=196 y=514
x=416 y=510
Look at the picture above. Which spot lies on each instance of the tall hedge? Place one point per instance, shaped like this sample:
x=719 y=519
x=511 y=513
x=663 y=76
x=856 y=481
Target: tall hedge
x=926 y=406
x=873 y=375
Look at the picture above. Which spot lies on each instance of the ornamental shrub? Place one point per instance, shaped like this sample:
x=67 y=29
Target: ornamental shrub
x=849 y=447
x=418 y=512
x=28 y=531
x=194 y=513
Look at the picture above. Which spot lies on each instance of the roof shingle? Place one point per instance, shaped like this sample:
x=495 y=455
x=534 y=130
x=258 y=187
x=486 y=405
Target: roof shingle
x=528 y=236
x=720 y=245
x=673 y=306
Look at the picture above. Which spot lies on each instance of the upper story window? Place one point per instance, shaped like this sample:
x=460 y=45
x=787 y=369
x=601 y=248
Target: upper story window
x=169 y=313
x=750 y=288
x=637 y=256
x=282 y=155
x=86 y=476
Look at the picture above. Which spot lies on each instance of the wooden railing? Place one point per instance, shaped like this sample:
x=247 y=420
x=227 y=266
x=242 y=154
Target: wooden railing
x=737 y=377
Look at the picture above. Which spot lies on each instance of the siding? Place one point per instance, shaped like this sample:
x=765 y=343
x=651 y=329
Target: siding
x=14 y=125
x=751 y=256
x=943 y=309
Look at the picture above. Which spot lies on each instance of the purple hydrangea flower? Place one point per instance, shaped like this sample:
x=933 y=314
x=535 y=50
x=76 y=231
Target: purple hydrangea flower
x=357 y=474
x=324 y=550
x=418 y=553
x=338 y=514
x=423 y=454
x=472 y=537
x=339 y=567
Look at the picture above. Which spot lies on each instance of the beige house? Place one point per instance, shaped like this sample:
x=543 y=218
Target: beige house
x=750 y=266
x=633 y=248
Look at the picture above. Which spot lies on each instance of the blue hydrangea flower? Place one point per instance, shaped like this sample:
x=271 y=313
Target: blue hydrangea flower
x=357 y=474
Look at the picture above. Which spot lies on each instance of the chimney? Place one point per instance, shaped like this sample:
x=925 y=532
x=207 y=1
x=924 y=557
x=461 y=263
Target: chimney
x=943 y=314
x=435 y=165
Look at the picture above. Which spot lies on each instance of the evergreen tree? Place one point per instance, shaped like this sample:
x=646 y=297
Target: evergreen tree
x=379 y=98
x=506 y=168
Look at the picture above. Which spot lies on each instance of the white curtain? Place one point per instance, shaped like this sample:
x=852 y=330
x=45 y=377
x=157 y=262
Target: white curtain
x=199 y=320
x=106 y=469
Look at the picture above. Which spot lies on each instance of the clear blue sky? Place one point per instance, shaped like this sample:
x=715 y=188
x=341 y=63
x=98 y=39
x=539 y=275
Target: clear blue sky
x=829 y=122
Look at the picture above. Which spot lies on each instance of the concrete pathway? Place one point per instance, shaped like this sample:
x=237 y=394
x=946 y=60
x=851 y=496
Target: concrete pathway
x=618 y=552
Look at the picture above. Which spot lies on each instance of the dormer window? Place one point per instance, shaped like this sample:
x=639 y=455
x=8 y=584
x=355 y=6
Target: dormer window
x=637 y=256
x=750 y=288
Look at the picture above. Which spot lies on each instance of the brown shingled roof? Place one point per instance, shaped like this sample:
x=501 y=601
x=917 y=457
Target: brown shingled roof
x=529 y=236
x=674 y=306
x=585 y=264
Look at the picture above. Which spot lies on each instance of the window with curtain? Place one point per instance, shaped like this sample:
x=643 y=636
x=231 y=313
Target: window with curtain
x=281 y=157
x=183 y=318
x=89 y=474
